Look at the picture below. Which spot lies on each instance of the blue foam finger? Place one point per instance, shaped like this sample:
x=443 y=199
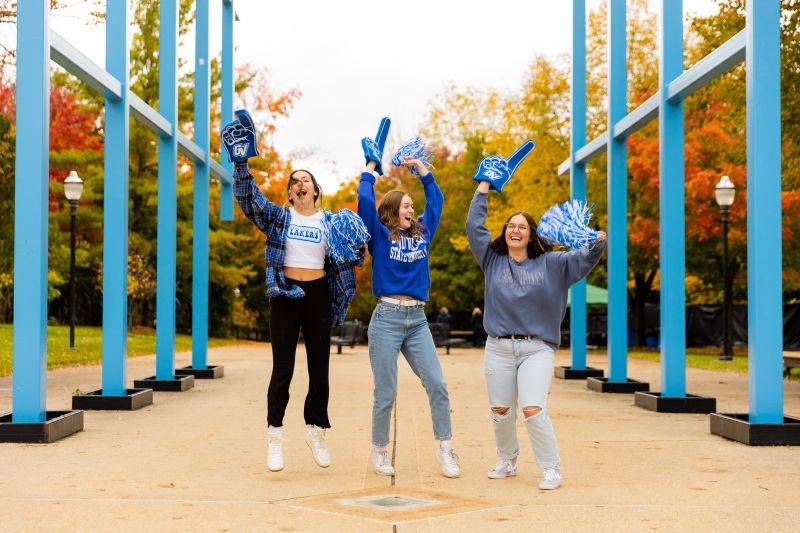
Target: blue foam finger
x=372 y=153
x=495 y=171
x=245 y=119
x=383 y=133
x=519 y=155
x=239 y=141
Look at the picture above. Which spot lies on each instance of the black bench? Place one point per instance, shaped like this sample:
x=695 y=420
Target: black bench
x=348 y=335
x=790 y=362
x=441 y=336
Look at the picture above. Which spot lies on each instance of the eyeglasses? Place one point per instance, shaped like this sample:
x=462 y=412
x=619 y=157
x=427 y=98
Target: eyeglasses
x=520 y=227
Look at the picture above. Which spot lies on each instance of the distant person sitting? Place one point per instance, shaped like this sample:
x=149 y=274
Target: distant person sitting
x=445 y=318
x=478 y=333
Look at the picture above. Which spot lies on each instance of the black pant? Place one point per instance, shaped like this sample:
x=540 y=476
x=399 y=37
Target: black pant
x=312 y=313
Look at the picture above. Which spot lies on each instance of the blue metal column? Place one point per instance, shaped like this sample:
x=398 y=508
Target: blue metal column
x=764 y=305
x=31 y=195
x=577 y=310
x=617 y=197
x=167 y=191
x=201 y=191
x=115 y=206
x=226 y=191
x=672 y=244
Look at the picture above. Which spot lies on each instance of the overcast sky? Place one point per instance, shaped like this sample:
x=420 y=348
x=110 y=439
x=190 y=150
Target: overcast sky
x=356 y=61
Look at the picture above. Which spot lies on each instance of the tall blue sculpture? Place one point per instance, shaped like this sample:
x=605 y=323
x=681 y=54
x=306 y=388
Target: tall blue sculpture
x=759 y=45
x=29 y=420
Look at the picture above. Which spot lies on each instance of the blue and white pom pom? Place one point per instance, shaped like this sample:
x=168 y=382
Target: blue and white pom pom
x=347 y=236
x=415 y=149
x=567 y=224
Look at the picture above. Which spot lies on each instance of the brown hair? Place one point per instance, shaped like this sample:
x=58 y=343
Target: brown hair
x=292 y=180
x=536 y=246
x=389 y=213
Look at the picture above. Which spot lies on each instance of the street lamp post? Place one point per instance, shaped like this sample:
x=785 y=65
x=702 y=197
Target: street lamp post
x=724 y=192
x=73 y=188
x=236 y=293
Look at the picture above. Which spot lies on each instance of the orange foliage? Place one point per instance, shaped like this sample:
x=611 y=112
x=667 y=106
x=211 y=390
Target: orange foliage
x=72 y=126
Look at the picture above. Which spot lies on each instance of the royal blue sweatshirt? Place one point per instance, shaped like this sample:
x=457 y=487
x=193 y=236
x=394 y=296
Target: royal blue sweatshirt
x=400 y=267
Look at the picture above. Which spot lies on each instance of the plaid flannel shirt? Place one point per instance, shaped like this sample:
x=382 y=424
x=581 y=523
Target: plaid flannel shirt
x=273 y=221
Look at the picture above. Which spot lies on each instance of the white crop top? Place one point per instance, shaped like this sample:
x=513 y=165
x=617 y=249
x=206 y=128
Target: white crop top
x=306 y=241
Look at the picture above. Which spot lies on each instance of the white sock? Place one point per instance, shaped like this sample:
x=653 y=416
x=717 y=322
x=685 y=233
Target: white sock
x=380 y=449
x=446 y=445
x=275 y=432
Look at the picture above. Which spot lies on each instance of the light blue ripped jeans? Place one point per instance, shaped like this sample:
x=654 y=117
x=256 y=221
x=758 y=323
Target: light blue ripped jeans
x=518 y=372
x=394 y=329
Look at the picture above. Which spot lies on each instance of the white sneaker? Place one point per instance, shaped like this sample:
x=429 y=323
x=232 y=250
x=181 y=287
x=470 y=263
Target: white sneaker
x=448 y=460
x=503 y=469
x=275 y=455
x=381 y=463
x=551 y=480
x=315 y=438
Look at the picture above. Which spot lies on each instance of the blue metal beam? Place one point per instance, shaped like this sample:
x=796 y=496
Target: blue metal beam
x=223 y=174
x=86 y=70
x=115 y=206
x=166 y=261
x=721 y=60
x=226 y=112
x=188 y=148
x=764 y=298
x=585 y=154
x=577 y=321
x=714 y=65
x=31 y=195
x=638 y=118
x=100 y=80
x=672 y=244
x=200 y=247
x=617 y=197
x=152 y=119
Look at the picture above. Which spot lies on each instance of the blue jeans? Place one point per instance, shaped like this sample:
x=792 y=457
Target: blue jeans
x=395 y=329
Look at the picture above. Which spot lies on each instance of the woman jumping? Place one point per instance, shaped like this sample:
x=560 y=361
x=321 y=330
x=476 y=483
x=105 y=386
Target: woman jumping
x=399 y=245
x=310 y=275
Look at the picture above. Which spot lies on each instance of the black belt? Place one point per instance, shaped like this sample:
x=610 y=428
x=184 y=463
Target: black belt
x=518 y=337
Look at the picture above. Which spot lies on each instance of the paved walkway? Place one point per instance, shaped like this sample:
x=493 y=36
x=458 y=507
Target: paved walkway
x=198 y=460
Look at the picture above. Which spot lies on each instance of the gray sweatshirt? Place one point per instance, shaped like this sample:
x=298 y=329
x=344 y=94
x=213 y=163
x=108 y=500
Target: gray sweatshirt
x=528 y=297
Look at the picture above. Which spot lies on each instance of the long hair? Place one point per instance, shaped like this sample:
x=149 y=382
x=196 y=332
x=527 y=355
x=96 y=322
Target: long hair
x=389 y=213
x=292 y=180
x=536 y=246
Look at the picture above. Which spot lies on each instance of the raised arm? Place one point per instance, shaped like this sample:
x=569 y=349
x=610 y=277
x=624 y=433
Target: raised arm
x=477 y=233
x=578 y=263
x=252 y=201
x=434 y=202
x=366 y=204
x=434 y=199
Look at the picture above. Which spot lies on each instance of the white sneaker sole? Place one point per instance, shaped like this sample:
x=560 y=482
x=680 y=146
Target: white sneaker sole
x=387 y=474
x=503 y=476
x=549 y=487
x=274 y=469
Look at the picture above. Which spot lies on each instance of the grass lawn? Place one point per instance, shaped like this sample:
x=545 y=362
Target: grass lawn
x=706 y=358
x=88 y=345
